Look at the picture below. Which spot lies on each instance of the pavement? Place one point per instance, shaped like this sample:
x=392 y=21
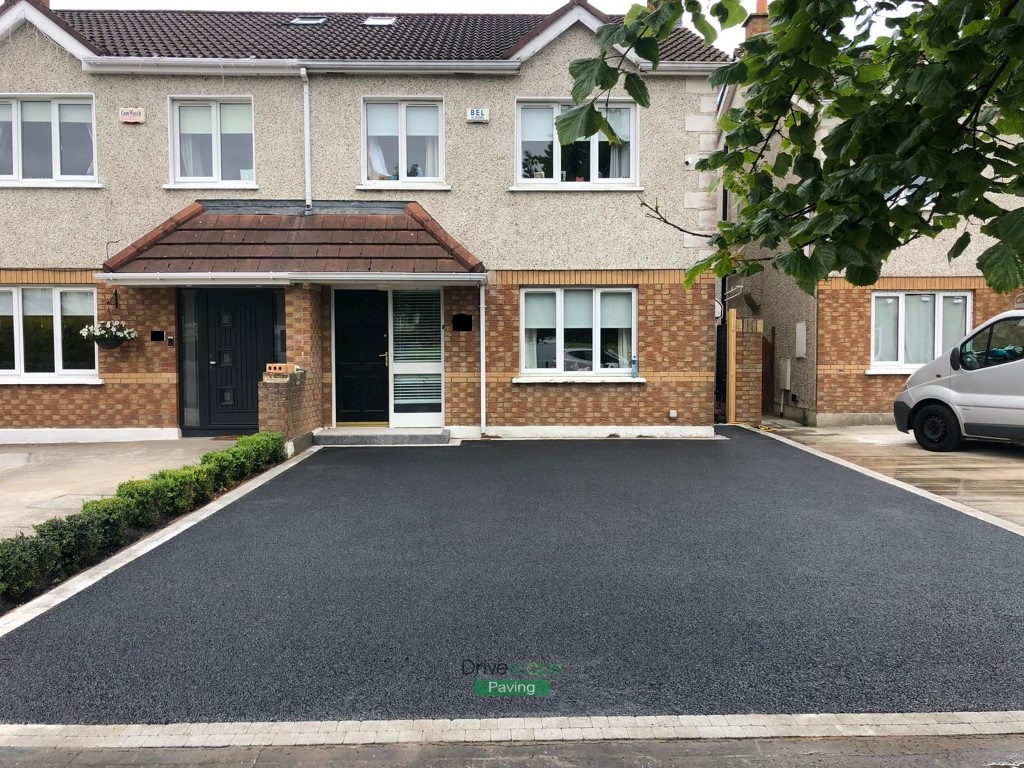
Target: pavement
x=995 y=752
x=38 y=482
x=665 y=577
x=985 y=476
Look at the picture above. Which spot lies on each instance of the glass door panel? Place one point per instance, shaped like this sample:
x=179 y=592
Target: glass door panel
x=417 y=365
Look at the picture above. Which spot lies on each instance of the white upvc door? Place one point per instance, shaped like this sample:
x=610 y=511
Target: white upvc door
x=417 y=359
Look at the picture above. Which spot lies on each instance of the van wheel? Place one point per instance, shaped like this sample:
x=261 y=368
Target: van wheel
x=936 y=428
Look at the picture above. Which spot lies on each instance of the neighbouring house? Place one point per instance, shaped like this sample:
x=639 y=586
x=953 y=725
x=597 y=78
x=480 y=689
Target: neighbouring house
x=373 y=205
x=841 y=356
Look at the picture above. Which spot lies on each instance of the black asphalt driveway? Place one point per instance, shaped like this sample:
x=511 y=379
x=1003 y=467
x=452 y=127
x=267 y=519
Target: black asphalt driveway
x=665 y=577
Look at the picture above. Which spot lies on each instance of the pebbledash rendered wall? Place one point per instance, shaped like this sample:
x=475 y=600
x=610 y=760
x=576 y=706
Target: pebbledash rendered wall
x=846 y=394
x=140 y=378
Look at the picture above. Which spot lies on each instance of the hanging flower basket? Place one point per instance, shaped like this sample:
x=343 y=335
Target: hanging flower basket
x=109 y=334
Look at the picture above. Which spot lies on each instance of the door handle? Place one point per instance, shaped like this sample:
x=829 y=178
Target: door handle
x=385 y=356
x=212 y=361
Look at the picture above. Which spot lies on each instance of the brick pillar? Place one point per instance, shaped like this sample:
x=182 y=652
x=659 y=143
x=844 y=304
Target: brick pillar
x=747 y=372
x=289 y=403
x=757 y=22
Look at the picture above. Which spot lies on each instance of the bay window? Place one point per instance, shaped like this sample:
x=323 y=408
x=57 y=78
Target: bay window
x=403 y=141
x=587 y=161
x=47 y=140
x=213 y=142
x=913 y=328
x=40 y=332
x=578 y=330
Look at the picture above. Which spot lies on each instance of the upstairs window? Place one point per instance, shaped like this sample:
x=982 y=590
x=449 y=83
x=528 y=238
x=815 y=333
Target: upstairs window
x=213 y=142
x=404 y=142
x=592 y=161
x=913 y=328
x=47 y=139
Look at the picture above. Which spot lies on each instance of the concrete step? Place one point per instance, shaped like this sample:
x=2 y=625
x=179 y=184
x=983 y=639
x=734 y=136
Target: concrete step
x=364 y=436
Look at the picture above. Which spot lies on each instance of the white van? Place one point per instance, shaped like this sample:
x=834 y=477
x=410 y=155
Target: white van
x=976 y=391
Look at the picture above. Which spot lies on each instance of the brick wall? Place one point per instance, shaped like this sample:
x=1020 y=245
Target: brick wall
x=303 y=398
x=289 y=404
x=140 y=388
x=676 y=352
x=844 y=342
x=462 y=358
x=749 y=332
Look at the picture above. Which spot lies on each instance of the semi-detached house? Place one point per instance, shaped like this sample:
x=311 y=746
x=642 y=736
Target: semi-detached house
x=377 y=201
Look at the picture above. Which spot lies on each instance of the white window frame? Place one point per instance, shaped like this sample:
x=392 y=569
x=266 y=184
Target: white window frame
x=58 y=375
x=57 y=179
x=177 y=181
x=899 y=366
x=559 y=292
x=631 y=183
x=404 y=181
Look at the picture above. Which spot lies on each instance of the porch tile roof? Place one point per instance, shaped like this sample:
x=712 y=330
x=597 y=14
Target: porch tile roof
x=277 y=236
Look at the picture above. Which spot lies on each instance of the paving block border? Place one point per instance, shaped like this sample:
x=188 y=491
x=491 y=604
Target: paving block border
x=510 y=729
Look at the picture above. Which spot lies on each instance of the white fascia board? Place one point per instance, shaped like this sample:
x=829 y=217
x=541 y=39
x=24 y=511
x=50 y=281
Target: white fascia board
x=386 y=278
x=200 y=279
x=23 y=12
x=192 y=278
x=576 y=15
x=704 y=68
x=153 y=65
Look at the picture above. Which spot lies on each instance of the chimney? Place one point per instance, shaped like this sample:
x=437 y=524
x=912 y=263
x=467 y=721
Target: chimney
x=757 y=22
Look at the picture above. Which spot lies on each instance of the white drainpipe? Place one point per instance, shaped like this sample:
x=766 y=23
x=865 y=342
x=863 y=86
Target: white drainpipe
x=483 y=360
x=306 y=131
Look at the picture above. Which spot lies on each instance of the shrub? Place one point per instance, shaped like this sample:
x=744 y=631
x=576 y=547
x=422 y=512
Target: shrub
x=25 y=563
x=63 y=546
x=111 y=516
x=76 y=539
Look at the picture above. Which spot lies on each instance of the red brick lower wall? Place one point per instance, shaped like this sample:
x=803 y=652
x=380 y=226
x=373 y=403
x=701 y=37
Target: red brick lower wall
x=844 y=340
x=462 y=358
x=676 y=352
x=140 y=377
x=749 y=332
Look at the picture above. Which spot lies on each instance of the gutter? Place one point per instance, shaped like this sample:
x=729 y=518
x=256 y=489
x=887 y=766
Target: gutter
x=704 y=68
x=288 y=278
x=151 y=65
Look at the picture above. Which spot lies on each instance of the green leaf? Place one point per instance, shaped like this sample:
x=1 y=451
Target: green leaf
x=647 y=48
x=633 y=14
x=730 y=74
x=588 y=74
x=610 y=35
x=706 y=29
x=859 y=274
x=959 y=246
x=637 y=89
x=1001 y=265
x=729 y=13
x=579 y=122
x=1010 y=228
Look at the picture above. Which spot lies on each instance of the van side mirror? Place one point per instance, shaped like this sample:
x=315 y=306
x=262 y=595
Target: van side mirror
x=954 y=358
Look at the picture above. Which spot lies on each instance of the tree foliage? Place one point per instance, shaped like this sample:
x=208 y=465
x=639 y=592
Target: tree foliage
x=850 y=143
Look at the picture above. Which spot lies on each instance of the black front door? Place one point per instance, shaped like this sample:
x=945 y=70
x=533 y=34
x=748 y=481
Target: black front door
x=361 y=333
x=235 y=342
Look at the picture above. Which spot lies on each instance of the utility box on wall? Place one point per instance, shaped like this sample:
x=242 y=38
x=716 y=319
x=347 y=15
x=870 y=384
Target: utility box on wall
x=801 y=340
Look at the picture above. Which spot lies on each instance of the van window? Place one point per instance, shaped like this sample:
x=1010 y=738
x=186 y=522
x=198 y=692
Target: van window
x=1001 y=342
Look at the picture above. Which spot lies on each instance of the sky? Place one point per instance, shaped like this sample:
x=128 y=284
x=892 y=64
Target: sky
x=727 y=41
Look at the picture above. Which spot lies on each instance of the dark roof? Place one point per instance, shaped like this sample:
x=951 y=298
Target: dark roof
x=276 y=236
x=256 y=35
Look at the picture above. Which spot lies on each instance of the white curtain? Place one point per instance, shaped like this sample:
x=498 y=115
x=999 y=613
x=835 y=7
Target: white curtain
x=919 y=335
x=539 y=320
x=422 y=136
x=6 y=139
x=618 y=154
x=381 y=124
x=954 y=320
x=616 y=329
x=75 y=126
x=886 y=330
x=195 y=134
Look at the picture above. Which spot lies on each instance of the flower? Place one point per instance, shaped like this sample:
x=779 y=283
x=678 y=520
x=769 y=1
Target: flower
x=109 y=330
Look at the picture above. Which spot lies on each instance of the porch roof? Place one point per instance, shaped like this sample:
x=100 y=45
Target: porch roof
x=248 y=241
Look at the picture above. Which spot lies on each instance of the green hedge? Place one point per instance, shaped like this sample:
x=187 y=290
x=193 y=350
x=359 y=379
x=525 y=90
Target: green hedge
x=63 y=546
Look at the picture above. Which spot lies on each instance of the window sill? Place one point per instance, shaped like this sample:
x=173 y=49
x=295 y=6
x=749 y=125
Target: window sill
x=420 y=186
x=900 y=371
x=571 y=187
x=212 y=185
x=50 y=184
x=86 y=380
x=577 y=379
